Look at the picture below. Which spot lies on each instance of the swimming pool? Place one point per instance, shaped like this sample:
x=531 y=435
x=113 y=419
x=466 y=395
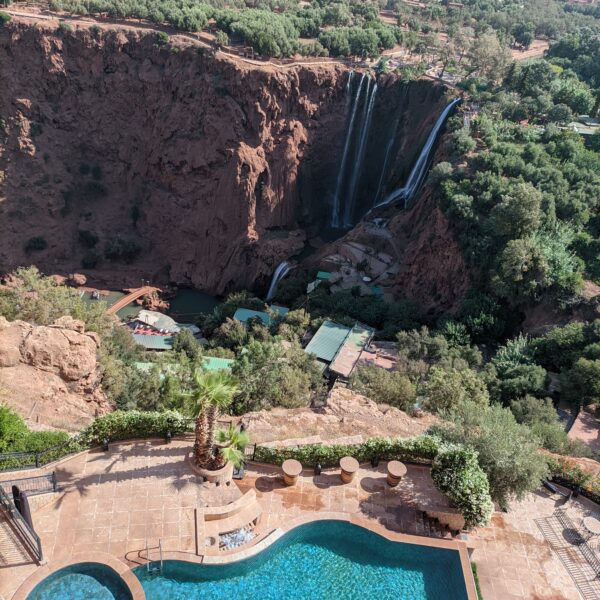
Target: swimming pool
x=331 y=560
x=82 y=581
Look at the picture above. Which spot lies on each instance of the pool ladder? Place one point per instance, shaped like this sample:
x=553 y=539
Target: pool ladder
x=157 y=567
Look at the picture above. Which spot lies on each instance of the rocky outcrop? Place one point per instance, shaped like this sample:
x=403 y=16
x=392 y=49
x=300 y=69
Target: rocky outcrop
x=347 y=417
x=50 y=374
x=126 y=160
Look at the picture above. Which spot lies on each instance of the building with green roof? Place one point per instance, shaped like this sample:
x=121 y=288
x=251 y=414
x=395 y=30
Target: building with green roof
x=154 y=342
x=243 y=315
x=326 y=343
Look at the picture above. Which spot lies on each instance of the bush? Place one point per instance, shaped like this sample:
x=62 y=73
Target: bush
x=161 y=38
x=392 y=388
x=422 y=449
x=122 y=425
x=64 y=26
x=4 y=18
x=36 y=244
x=456 y=473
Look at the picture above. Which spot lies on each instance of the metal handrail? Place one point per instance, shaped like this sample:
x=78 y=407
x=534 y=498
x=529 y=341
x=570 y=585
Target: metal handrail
x=41 y=484
x=30 y=537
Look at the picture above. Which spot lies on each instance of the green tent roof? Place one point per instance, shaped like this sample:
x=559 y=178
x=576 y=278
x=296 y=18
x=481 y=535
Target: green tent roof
x=327 y=341
x=323 y=275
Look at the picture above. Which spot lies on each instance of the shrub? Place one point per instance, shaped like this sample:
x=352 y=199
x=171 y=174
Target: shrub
x=421 y=449
x=457 y=474
x=122 y=425
x=64 y=26
x=4 y=18
x=392 y=388
x=36 y=244
x=122 y=248
x=161 y=38
x=12 y=429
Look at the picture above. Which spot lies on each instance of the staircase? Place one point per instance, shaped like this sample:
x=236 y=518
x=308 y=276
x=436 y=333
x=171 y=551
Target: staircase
x=429 y=527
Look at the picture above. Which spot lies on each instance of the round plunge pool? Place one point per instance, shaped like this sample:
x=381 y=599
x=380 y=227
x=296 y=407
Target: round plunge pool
x=82 y=581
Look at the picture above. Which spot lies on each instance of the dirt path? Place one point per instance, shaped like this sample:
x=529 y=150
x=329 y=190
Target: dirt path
x=202 y=39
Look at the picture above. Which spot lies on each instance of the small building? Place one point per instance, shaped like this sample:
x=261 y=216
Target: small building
x=211 y=363
x=338 y=347
x=243 y=315
x=157 y=343
x=151 y=320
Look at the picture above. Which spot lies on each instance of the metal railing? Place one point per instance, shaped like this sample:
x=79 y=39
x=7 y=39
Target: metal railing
x=42 y=484
x=28 y=534
x=16 y=461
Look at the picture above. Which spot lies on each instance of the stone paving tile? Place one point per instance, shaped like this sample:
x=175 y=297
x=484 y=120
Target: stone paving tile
x=138 y=493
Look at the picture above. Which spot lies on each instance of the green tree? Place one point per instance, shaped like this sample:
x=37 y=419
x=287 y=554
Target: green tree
x=518 y=213
x=445 y=390
x=13 y=430
x=212 y=392
x=508 y=452
x=186 y=342
x=581 y=383
x=388 y=387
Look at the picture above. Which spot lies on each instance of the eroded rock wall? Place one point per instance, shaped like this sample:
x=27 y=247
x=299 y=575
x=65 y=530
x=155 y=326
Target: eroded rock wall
x=50 y=374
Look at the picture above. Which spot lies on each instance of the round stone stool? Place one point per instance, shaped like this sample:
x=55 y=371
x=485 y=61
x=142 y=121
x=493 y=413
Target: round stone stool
x=349 y=468
x=291 y=469
x=395 y=472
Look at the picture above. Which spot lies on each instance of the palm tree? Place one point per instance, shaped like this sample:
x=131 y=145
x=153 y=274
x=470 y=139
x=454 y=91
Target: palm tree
x=212 y=392
x=232 y=441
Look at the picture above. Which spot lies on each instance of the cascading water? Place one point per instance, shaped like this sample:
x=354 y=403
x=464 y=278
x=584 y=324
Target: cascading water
x=360 y=154
x=335 y=213
x=419 y=171
x=281 y=271
x=237 y=538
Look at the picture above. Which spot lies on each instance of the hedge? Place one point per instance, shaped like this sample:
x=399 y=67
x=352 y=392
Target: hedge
x=118 y=425
x=455 y=472
x=422 y=449
x=123 y=425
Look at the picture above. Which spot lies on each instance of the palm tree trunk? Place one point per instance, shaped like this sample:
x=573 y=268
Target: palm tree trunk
x=212 y=414
x=202 y=453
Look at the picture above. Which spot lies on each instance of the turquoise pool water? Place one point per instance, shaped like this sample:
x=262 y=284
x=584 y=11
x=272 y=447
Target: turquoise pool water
x=327 y=560
x=83 y=581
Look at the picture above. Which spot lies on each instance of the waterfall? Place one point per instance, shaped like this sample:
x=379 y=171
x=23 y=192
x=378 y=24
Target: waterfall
x=335 y=213
x=360 y=155
x=281 y=271
x=419 y=171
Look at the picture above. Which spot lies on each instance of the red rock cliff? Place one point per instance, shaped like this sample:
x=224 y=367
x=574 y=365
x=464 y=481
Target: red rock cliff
x=162 y=163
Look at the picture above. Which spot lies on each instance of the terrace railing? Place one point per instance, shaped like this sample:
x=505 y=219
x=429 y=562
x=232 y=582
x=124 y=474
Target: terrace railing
x=16 y=461
x=27 y=533
x=34 y=486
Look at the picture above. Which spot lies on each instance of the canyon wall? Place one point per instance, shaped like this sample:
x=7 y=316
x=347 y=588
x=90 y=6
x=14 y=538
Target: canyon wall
x=125 y=159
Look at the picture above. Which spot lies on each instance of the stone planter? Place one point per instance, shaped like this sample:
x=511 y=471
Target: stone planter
x=220 y=476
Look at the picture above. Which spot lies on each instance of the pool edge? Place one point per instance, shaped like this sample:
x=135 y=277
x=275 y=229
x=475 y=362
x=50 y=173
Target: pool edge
x=271 y=536
x=118 y=566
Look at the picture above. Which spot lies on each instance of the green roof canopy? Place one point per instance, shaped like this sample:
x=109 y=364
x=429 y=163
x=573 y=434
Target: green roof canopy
x=327 y=341
x=213 y=363
x=323 y=275
x=243 y=315
x=154 y=342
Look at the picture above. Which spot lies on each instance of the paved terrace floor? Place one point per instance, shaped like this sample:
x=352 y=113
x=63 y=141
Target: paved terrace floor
x=113 y=502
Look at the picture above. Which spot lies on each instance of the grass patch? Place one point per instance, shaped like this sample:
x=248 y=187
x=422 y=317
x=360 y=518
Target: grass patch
x=476 y=579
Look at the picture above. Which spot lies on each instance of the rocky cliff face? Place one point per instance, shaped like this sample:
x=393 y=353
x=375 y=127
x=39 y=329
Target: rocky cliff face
x=125 y=159
x=50 y=374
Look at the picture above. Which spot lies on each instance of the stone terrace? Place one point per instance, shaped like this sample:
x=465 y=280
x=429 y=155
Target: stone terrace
x=113 y=502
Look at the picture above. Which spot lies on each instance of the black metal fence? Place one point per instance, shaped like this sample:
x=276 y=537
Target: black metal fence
x=16 y=461
x=42 y=484
x=28 y=534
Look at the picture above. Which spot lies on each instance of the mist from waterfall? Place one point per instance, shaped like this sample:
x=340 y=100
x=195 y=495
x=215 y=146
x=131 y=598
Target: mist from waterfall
x=281 y=271
x=360 y=154
x=335 y=213
x=419 y=171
